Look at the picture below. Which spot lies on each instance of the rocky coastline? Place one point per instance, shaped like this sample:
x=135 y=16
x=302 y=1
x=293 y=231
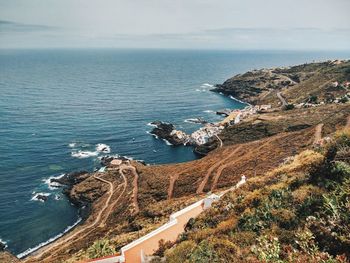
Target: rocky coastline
x=67 y=182
x=265 y=119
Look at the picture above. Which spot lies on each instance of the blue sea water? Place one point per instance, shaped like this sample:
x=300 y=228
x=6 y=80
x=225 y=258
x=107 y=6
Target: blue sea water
x=55 y=103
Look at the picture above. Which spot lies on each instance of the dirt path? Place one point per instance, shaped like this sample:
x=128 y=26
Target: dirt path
x=222 y=167
x=318 y=133
x=172 y=181
x=206 y=178
x=79 y=234
x=112 y=206
x=134 y=183
x=283 y=101
x=220 y=141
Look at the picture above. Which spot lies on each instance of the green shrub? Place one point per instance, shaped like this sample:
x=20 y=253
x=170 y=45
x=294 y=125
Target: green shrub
x=101 y=248
x=268 y=249
x=204 y=253
x=289 y=107
x=180 y=253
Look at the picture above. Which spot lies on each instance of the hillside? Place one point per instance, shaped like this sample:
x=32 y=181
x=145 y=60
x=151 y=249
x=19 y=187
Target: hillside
x=289 y=169
x=297 y=84
x=298 y=212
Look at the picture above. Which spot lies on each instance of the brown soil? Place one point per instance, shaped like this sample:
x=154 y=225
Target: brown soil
x=318 y=133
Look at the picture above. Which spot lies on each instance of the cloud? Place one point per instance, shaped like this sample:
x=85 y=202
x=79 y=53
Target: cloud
x=243 y=38
x=14 y=27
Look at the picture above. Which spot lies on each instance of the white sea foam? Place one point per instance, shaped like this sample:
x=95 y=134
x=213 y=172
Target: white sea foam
x=154 y=135
x=193 y=120
x=53 y=185
x=3 y=242
x=151 y=124
x=167 y=142
x=72 y=144
x=84 y=154
x=104 y=148
x=57 y=197
x=36 y=195
x=31 y=250
x=208 y=111
x=233 y=98
x=207 y=85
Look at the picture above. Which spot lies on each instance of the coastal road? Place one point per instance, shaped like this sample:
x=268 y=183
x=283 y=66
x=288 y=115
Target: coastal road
x=78 y=234
x=283 y=101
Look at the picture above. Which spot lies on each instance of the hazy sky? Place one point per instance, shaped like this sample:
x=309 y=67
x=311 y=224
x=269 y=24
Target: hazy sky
x=207 y=24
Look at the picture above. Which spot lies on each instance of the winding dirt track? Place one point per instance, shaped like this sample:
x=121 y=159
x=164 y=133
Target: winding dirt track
x=318 y=133
x=283 y=101
x=172 y=181
x=221 y=144
x=135 y=186
x=109 y=211
x=211 y=169
x=222 y=167
x=83 y=231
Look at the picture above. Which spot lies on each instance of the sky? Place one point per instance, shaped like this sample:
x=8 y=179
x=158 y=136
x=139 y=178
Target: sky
x=182 y=24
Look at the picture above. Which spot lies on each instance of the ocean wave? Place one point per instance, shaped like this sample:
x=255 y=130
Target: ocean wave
x=209 y=111
x=207 y=85
x=167 y=142
x=194 y=120
x=53 y=185
x=36 y=195
x=233 y=98
x=154 y=135
x=72 y=144
x=104 y=148
x=151 y=124
x=84 y=154
x=31 y=250
x=190 y=120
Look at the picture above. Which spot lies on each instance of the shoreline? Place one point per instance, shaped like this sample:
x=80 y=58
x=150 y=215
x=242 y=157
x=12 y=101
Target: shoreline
x=32 y=251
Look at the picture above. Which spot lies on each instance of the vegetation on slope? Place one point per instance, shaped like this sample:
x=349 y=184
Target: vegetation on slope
x=299 y=212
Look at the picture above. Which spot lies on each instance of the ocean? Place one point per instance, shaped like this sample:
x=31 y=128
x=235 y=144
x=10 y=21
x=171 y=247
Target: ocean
x=58 y=106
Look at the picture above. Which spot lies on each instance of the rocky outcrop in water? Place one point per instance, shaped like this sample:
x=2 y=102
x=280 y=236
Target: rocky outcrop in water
x=71 y=179
x=43 y=198
x=167 y=131
x=2 y=246
x=68 y=181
